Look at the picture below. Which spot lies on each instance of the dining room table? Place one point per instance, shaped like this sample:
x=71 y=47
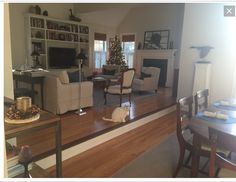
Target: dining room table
x=221 y=115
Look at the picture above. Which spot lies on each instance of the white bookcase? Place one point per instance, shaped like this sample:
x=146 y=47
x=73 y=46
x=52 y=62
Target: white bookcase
x=44 y=32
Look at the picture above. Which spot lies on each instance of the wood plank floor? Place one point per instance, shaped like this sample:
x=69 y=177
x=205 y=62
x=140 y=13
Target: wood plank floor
x=107 y=158
x=77 y=129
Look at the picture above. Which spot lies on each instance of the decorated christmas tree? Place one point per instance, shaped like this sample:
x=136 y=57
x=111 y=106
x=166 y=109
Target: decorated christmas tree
x=116 y=54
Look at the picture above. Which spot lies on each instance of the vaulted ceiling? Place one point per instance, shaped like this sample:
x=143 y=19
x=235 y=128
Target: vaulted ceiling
x=107 y=14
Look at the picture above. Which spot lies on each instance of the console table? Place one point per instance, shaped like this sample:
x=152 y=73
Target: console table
x=29 y=77
x=46 y=120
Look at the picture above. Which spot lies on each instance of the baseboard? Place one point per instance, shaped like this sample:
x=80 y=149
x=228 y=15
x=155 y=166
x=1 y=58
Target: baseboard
x=82 y=147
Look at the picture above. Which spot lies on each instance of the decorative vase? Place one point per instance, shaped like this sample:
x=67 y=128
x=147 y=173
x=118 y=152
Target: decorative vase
x=32 y=9
x=38 y=10
x=45 y=13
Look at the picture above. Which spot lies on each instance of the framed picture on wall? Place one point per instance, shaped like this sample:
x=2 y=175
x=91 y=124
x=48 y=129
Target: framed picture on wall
x=158 y=39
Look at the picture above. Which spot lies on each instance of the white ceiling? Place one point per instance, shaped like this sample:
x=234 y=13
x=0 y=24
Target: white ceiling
x=107 y=14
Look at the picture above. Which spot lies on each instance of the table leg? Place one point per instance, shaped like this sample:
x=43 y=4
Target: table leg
x=58 y=150
x=195 y=157
x=41 y=86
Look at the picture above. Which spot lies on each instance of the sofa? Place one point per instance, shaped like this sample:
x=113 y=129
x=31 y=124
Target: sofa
x=61 y=96
x=148 y=80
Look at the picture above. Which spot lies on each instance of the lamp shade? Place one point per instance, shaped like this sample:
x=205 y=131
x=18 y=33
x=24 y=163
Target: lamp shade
x=81 y=55
x=35 y=53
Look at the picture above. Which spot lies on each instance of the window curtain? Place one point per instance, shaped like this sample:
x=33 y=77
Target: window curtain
x=128 y=38
x=100 y=36
x=99 y=56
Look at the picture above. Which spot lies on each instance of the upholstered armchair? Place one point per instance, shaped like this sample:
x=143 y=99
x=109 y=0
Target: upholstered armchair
x=148 y=80
x=123 y=86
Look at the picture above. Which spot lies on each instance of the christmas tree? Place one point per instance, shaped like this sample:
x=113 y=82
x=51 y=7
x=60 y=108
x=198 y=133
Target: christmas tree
x=116 y=54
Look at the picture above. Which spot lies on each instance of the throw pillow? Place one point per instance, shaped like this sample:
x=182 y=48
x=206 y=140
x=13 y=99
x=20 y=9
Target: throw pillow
x=74 y=76
x=109 y=72
x=63 y=76
x=144 y=75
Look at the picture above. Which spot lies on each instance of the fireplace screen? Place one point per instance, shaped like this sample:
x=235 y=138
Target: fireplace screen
x=158 y=39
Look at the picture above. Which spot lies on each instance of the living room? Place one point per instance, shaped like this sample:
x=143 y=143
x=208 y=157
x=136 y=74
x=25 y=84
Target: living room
x=186 y=25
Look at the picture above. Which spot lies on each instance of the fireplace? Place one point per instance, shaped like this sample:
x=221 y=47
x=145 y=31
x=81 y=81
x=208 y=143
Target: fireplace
x=159 y=63
x=163 y=59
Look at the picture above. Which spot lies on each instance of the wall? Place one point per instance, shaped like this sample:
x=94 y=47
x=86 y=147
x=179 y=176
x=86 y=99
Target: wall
x=18 y=29
x=155 y=17
x=8 y=80
x=204 y=24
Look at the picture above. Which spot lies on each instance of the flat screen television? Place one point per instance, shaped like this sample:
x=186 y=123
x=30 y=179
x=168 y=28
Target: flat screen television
x=62 y=57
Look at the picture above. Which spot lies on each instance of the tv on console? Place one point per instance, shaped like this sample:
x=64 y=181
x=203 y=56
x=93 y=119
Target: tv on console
x=62 y=57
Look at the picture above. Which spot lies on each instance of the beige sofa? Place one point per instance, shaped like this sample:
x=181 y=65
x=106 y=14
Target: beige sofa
x=61 y=97
x=149 y=83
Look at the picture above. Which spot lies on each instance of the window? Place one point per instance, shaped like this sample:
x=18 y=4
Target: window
x=128 y=46
x=100 y=49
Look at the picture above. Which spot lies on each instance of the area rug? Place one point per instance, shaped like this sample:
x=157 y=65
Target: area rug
x=98 y=97
x=158 y=162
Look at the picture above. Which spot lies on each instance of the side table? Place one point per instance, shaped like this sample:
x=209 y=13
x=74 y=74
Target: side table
x=99 y=82
x=46 y=120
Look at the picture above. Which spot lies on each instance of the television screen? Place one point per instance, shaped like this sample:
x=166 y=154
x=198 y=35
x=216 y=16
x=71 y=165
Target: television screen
x=62 y=57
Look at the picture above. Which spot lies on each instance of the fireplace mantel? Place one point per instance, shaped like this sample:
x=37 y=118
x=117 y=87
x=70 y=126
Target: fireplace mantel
x=168 y=54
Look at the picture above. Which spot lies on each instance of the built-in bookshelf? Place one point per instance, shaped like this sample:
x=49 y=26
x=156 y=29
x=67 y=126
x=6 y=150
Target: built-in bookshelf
x=44 y=32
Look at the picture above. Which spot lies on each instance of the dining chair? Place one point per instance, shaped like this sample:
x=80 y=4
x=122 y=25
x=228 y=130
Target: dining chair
x=184 y=114
x=122 y=86
x=226 y=165
x=201 y=100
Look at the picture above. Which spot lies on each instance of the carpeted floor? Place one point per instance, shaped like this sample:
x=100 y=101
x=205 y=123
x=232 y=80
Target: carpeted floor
x=158 y=162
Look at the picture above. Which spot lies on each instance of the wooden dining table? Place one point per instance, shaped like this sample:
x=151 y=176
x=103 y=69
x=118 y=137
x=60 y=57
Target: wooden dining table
x=199 y=125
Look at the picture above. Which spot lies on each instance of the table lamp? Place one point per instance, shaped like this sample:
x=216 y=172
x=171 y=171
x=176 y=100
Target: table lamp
x=80 y=57
x=35 y=54
x=25 y=157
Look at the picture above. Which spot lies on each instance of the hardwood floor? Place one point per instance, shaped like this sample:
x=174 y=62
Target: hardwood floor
x=107 y=158
x=77 y=129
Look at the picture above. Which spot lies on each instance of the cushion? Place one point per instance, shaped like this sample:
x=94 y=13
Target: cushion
x=63 y=76
x=74 y=76
x=109 y=72
x=144 y=75
x=115 y=89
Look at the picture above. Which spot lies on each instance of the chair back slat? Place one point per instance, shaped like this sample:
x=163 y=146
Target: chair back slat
x=184 y=111
x=201 y=100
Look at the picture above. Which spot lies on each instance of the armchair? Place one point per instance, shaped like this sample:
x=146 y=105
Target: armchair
x=147 y=83
x=123 y=87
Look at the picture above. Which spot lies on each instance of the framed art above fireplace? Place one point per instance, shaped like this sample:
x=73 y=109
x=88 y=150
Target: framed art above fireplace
x=158 y=39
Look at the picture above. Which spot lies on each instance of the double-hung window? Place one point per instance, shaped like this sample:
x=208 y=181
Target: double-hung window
x=100 y=50
x=128 y=46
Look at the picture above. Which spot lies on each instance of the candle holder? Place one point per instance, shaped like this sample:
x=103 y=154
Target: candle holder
x=25 y=157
